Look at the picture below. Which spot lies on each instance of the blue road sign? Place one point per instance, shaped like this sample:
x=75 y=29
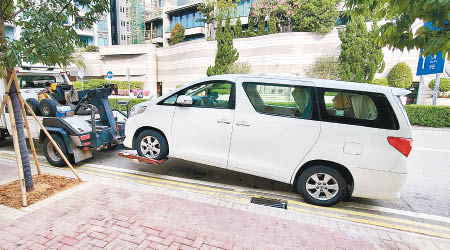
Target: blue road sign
x=109 y=74
x=433 y=64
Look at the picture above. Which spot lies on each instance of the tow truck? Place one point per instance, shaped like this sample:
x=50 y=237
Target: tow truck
x=79 y=125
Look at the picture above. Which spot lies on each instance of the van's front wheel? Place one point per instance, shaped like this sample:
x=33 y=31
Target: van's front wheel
x=152 y=144
x=322 y=185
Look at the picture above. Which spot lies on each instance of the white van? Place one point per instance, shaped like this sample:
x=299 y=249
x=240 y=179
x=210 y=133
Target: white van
x=329 y=139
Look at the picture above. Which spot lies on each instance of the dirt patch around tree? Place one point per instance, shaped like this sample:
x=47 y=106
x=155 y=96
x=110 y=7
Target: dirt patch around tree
x=45 y=185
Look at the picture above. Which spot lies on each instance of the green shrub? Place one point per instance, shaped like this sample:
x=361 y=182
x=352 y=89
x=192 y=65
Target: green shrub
x=90 y=48
x=444 y=85
x=92 y=83
x=133 y=101
x=315 y=16
x=380 y=81
x=327 y=67
x=400 y=76
x=177 y=34
x=429 y=116
x=241 y=68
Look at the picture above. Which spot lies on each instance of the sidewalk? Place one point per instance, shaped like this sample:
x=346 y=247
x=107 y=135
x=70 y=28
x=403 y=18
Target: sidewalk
x=112 y=214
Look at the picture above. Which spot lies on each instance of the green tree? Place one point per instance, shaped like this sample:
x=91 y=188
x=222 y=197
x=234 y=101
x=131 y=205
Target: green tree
x=238 y=29
x=241 y=68
x=226 y=54
x=261 y=25
x=177 y=34
x=398 y=31
x=272 y=25
x=400 y=76
x=315 y=16
x=251 y=26
x=208 y=16
x=360 y=56
x=45 y=39
x=219 y=31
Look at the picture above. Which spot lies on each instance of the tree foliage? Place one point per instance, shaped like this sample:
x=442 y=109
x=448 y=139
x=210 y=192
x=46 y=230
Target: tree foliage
x=251 y=26
x=444 y=85
x=400 y=76
x=360 y=56
x=226 y=54
x=326 y=67
x=315 y=16
x=398 y=31
x=272 y=25
x=261 y=25
x=238 y=28
x=177 y=34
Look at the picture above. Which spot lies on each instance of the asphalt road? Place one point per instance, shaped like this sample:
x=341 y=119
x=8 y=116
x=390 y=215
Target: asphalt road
x=427 y=189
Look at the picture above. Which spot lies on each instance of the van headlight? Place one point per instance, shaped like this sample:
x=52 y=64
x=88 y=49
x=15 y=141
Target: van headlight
x=137 y=110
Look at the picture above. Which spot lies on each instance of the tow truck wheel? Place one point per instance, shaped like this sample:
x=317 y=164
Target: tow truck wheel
x=152 y=144
x=53 y=157
x=48 y=107
x=34 y=105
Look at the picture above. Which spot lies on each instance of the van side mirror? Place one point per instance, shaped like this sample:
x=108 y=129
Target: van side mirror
x=184 y=100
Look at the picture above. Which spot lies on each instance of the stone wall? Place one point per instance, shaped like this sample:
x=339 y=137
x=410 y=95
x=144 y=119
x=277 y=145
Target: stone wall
x=277 y=54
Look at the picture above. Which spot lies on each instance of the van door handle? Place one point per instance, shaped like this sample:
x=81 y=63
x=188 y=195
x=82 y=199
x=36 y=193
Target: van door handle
x=243 y=124
x=223 y=122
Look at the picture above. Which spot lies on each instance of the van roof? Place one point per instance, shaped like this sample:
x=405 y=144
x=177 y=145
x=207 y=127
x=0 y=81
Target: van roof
x=317 y=82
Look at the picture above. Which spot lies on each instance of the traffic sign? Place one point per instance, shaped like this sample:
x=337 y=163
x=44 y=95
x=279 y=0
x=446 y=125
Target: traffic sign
x=109 y=74
x=433 y=64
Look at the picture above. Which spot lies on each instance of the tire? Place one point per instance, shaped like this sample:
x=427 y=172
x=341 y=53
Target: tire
x=50 y=152
x=48 y=107
x=152 y=144
x=34 y=104
x=318 y=193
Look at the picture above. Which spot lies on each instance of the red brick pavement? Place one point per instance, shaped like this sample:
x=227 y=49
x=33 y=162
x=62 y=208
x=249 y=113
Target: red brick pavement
x=107 y=217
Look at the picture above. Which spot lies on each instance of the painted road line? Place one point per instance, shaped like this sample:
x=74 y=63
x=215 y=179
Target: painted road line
x=332 y=209
x=224 y=193
x=397 y=211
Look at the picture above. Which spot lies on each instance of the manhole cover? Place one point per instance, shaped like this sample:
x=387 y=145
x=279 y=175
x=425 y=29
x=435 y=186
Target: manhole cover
x=269 y=202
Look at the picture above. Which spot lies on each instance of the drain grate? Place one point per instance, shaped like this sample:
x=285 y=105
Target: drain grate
x=269 y=202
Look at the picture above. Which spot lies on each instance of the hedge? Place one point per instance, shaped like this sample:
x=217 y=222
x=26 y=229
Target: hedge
x=133 y=101
x=92 y=83
x=444 y=85
x=429 y=116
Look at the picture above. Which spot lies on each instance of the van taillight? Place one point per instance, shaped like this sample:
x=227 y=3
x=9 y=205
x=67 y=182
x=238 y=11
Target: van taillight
x=403 y=145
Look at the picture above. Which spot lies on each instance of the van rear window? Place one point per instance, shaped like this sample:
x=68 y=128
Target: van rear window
x=357 y=108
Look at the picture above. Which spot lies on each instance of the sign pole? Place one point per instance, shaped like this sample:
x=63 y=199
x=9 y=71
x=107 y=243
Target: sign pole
x=128 y=76
x=436 y=88
x=419 y=91
x=82 y=84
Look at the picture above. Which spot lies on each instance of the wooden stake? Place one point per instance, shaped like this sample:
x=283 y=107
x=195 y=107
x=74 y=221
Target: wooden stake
x=8 y=86
x=24 y=114
x=16 y=150
x=52 y=141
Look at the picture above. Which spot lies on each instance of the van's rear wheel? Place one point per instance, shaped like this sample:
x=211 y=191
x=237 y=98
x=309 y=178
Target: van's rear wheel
x=322 y=185
x=152 y=144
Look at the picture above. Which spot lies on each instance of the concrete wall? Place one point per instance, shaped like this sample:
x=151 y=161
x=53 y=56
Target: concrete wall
x=140 y=58
x=278 y=54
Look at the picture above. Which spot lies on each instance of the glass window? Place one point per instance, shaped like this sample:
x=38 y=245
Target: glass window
x=190 y=20
x=9 y=33
x=282 y=100
x=87 y=40
x=102 y=25
x=357 y=108
x=102 y=41
x=29 y=82
x=207 y=95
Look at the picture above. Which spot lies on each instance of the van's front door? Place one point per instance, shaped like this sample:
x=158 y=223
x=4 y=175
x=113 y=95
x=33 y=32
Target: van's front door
x=274 y=127
x=201 y=132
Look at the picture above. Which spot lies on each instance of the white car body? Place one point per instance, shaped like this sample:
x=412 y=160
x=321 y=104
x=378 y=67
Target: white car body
x=278 y=147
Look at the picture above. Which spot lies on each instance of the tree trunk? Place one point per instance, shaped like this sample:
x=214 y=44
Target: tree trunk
x=17 y=114
x=22 y=139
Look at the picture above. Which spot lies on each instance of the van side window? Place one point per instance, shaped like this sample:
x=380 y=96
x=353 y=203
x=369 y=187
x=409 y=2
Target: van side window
x=356 y=108
x=291 y=101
